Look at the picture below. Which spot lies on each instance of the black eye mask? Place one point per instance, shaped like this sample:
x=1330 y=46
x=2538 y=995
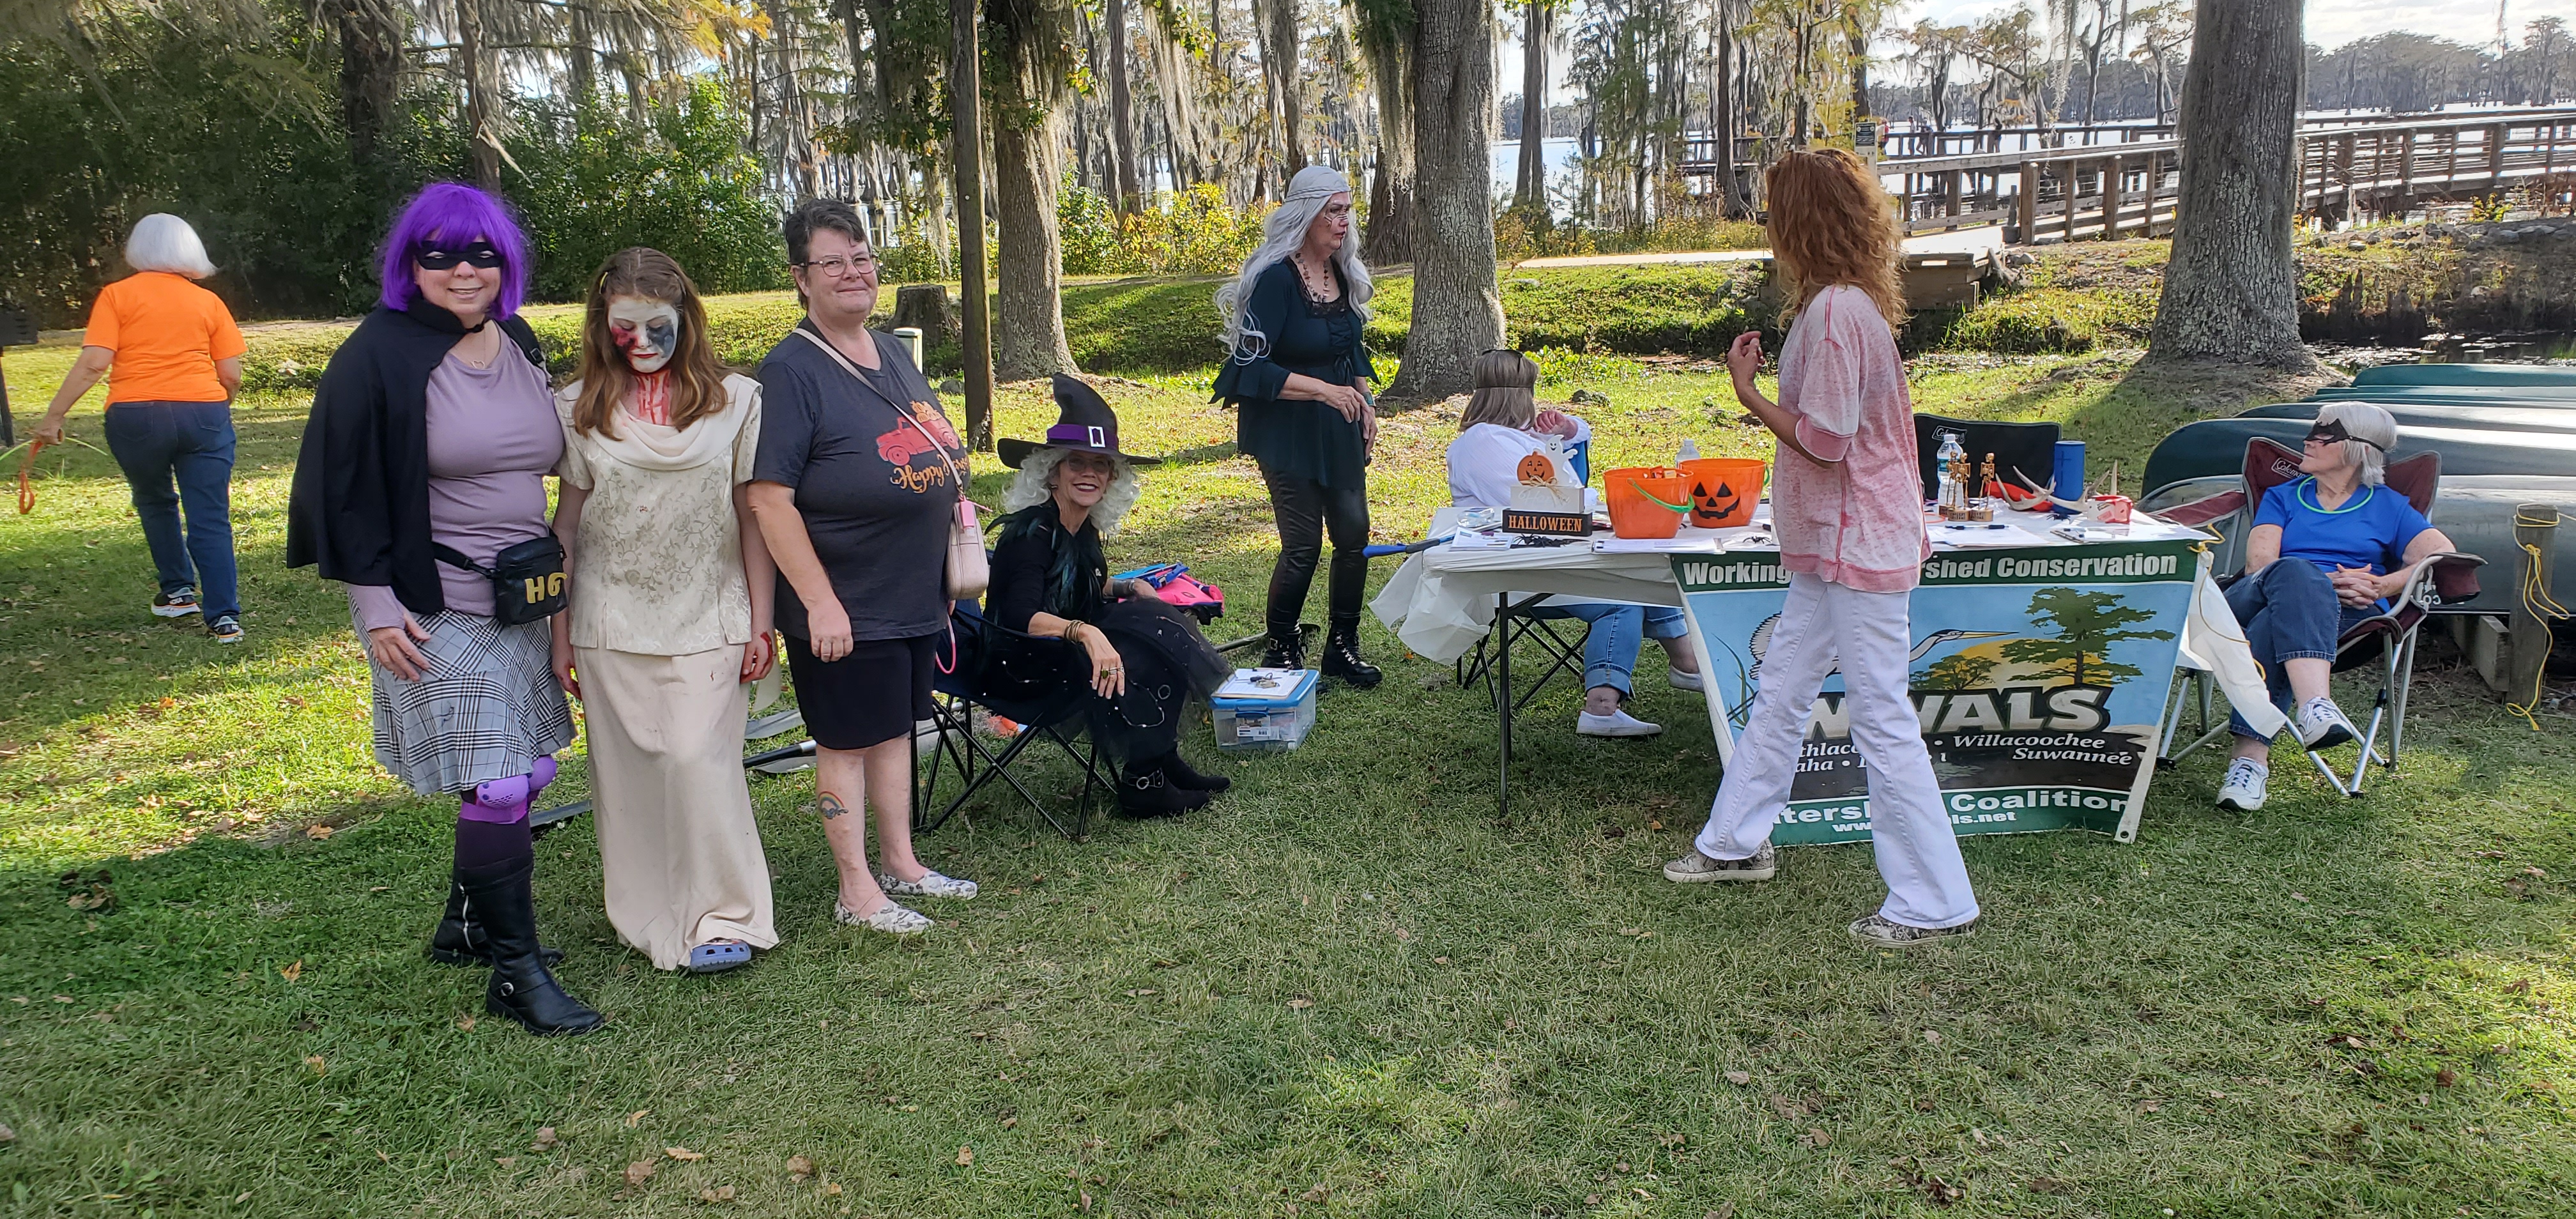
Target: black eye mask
x=432 y=257
x=2332 y=431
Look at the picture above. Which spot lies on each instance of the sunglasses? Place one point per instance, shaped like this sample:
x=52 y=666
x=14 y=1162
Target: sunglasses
x=2332 y=432
x=479 y=252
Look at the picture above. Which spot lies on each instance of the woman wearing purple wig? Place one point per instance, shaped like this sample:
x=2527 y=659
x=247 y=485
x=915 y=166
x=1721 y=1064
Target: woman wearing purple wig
x=424 y=461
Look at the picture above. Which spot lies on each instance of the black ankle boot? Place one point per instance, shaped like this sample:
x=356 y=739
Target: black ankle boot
x=1287 y=649
x=1342 y=657
x=520 y=988
x=1178 y=769
x=459 y=940
x=1147 y=791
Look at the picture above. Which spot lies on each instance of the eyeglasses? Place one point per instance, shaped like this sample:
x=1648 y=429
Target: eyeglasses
x=433 y=258
x=836 y=266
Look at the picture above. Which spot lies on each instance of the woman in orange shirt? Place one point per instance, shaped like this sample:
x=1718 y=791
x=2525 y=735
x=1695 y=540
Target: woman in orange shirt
x=172 y=359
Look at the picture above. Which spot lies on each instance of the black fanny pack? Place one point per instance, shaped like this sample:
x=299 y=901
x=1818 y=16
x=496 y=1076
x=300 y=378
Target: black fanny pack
x=527 y=578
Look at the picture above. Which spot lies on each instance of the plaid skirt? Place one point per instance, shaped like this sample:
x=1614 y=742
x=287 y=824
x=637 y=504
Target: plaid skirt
x=486 y=709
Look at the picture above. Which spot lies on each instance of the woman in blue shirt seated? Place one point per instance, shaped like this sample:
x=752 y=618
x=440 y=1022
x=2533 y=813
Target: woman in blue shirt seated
x=1502 y=425
x=2326 y=551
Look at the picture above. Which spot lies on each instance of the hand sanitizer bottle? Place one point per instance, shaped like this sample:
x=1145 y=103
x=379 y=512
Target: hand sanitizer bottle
x=1690 y=451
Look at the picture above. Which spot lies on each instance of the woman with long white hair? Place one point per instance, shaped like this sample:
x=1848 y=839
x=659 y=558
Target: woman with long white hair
x=1298 y=377
x=172 y=358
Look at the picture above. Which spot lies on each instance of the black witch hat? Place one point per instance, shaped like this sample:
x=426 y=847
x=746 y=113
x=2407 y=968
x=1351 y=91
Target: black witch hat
x=1084 y=424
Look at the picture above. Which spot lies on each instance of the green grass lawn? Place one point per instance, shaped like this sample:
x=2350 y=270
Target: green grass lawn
x=1345 y=989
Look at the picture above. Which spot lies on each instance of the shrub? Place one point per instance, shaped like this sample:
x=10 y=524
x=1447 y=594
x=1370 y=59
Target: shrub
x=595 y=182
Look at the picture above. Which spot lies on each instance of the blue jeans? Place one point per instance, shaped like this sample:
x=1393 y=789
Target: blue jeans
x=2290 y=612
x=1610 y=652
x=189 y=444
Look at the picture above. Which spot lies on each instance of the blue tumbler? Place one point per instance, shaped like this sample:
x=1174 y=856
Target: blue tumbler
x=2066 y=482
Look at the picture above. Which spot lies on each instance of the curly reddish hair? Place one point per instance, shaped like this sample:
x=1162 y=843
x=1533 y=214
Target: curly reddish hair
x=1832 y=223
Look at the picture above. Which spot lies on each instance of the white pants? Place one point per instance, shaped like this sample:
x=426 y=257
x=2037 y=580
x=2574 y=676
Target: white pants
x=1918 y=855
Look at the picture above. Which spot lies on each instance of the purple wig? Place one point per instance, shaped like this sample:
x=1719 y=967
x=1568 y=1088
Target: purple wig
x=456 y=213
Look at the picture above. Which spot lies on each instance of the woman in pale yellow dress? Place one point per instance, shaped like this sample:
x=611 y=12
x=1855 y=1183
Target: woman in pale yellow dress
x=669 y=615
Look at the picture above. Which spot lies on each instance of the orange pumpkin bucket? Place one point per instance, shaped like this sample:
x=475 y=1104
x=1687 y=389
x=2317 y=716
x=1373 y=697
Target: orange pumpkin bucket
x=1723 y=491
x=1646 y=501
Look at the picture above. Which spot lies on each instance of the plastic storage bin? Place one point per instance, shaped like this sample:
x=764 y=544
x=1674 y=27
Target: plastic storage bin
x=1264 y=720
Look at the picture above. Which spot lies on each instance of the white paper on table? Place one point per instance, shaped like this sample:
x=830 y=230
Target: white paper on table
x=1984 y=535
x=1463 y=540
x=1706 y=542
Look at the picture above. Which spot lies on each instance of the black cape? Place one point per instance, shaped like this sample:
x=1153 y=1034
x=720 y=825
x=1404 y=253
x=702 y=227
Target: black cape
x=360 y=505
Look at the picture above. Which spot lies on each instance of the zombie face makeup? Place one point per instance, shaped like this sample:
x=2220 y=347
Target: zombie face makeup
x=646 y=330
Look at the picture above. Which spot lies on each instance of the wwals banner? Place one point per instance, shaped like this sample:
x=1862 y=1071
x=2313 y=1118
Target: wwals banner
x=2040 y=675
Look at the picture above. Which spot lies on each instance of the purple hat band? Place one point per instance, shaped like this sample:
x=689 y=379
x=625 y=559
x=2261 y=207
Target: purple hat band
x=1089 y=435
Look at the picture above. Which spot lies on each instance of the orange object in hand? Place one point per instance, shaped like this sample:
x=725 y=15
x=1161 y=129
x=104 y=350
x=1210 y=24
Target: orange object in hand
x=26 y=484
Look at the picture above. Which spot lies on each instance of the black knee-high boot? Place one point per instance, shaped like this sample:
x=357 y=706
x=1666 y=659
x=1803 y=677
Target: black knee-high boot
x=520 y=988
x=460 y=940
x=1342 y=655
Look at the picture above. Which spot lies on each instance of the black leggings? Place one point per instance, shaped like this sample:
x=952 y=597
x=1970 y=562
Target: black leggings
x=1306 y=509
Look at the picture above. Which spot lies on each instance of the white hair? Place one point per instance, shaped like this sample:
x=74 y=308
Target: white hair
x=1031 y=487
x=163 y=242
x=1281 y=234
x=2364 y=421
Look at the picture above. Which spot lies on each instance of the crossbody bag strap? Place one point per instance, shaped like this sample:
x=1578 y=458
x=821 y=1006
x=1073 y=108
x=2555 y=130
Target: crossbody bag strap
x=456 y=558
x=846 y=366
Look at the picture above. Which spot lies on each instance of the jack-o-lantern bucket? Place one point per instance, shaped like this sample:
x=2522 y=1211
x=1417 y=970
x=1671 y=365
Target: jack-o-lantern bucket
x=1722 y=490
x=1645 y=501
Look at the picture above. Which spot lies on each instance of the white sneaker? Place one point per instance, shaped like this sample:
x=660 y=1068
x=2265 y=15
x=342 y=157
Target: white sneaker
x=1617 y=723
x=2322 y=725
x=2243 y=790
x=1681 y=680
x=889 y=918
x=931 y=884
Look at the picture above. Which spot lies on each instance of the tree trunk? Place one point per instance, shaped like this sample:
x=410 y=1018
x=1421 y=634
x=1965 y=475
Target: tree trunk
x=1028 y=334
x=966 y=127
x=1722 y=97
x=1388 y=239
x=483 y=144
x=1457 y=306
x=1122 y=111
x=796 y=120
x=579 y=60
x=1858 y=34
x=1529 y=191
x=1279 y=47
x=371 y=64
x=2231 y=286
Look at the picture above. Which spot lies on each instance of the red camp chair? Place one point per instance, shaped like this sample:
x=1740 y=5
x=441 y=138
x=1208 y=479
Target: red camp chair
x=2388 y=638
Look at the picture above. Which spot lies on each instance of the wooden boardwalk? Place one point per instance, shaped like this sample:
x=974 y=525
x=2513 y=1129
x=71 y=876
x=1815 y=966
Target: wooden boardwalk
x=2125 y=182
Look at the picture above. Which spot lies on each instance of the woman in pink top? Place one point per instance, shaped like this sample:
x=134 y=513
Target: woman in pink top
x=1847 y=503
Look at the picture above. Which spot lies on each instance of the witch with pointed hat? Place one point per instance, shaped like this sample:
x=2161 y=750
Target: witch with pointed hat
x=1143 y=660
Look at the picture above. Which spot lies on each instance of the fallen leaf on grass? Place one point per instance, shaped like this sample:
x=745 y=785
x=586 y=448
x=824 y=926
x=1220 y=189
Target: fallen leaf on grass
x=1314 y=1193
x=465 y=1023
x=1140 y=992
x=683 y=1153
x=1439 y=960
x=1815 y=1138
x=1010 y=1123
x=1739 y=1078
x=1788 y=1109
x=1931 y=1037
x=1301 y=1004
x=382 y=1158
x=721 y=1193
x=316 y=1063
x=965 y=1155
x=2148 y=1106
x=1086 y=1202
x=292 y=972
x=1725 y=1210
x=6 y=1134
x=2049 y=1185
x=641 y=1171
x=546 y=1139
x=318 y=831
x=632 y=1119
x=506 y=1161
x=799 y=1167
x=2445 y=1077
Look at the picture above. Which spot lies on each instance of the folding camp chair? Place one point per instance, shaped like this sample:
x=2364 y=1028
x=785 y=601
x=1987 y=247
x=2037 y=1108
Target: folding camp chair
x=2023 y=449
x=1019 y=677
x=2388 y=637
x=1520 y=621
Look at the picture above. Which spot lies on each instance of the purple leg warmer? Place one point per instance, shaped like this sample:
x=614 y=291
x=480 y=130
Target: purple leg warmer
x=492 y=823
